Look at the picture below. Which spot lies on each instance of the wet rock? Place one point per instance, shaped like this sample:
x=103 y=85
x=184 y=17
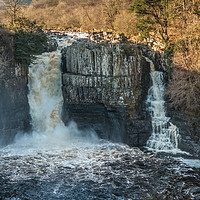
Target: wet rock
x=105 y=88
x=52 y=45
x=189 y=128
x=159 y=59
x=14 y=107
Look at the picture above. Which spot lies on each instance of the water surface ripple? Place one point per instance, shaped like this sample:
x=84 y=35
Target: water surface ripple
x=94 y=171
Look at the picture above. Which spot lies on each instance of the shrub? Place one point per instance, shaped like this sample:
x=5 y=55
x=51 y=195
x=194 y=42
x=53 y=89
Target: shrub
x=184 y=91
x=5 y=38
x=184 y=87
x=125 y=23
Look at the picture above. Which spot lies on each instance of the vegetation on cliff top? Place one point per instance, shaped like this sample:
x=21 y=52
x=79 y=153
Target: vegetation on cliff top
x=28 y=37
x=177 y=24
x=29 y=40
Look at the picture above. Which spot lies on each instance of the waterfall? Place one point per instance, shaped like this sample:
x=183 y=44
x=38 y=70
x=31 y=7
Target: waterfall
x=45 y=97
x=164 y=134
x=46 y=100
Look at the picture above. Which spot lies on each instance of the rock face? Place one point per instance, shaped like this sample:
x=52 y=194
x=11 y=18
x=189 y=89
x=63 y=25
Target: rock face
x=14 y=108
x=104 y=88
x=189 y=128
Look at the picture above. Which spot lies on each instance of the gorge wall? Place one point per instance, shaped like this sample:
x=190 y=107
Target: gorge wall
x=189 y=128
x=105 y=88
x=14 y=108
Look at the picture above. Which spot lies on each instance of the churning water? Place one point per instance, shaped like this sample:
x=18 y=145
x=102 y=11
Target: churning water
x=164 y=134
x=45 y=97
x=59 y=162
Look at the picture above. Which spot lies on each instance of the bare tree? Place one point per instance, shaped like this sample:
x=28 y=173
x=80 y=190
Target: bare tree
x=13 y=8
x=111 y=9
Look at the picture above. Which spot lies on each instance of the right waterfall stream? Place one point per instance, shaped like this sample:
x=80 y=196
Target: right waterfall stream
x=164 y=135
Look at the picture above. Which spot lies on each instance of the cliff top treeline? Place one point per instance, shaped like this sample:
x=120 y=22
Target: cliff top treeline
x=174 y=25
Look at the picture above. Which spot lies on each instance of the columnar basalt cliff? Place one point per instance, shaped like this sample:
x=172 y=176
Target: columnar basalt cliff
x=14 y=108
x=104 y=88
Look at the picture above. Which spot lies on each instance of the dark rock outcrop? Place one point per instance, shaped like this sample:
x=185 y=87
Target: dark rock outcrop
x=52 y=45
x=189 y=128
x=104 y=88
x=14 y=108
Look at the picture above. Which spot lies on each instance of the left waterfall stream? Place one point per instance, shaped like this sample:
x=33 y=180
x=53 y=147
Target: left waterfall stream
x=62 y=162
x=45 y=96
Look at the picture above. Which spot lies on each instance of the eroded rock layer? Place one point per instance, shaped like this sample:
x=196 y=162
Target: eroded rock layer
x=104 y=88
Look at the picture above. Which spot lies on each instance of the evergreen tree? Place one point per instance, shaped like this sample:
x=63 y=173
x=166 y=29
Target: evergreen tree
x=29 y=40
x=152 y=16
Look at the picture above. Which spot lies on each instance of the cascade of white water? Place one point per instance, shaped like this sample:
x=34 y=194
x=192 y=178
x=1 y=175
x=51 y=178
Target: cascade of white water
x=45 y=97
x=164 y=134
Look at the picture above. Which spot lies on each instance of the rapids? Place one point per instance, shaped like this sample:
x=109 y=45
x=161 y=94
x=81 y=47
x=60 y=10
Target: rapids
x=63 y=162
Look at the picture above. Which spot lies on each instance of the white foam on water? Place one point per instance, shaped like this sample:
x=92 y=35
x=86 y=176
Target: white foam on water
x=40 y=157
x=190 y=162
